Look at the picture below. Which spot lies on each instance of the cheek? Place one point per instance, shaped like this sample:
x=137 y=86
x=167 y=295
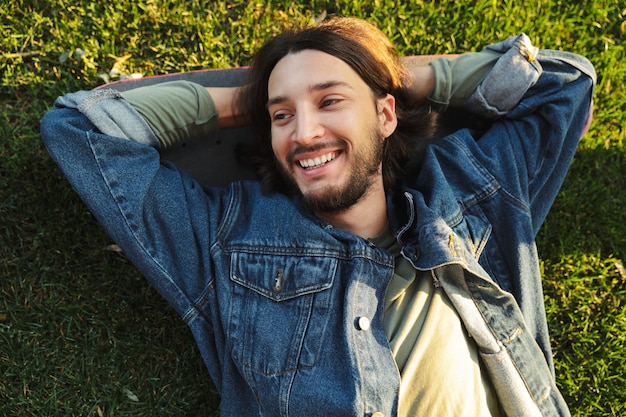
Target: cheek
x=278 y=144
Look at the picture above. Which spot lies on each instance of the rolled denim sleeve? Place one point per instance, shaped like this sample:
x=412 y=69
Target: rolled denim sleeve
x=111 y=114
x=516 y=71
x=490 y=82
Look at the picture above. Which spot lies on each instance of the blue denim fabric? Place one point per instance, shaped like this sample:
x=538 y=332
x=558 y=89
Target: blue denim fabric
x=273 y=295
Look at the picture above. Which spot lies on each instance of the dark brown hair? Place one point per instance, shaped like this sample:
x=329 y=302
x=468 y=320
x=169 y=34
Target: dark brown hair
x=372 y=56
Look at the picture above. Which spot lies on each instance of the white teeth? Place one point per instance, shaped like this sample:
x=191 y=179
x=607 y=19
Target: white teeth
x=317 y=161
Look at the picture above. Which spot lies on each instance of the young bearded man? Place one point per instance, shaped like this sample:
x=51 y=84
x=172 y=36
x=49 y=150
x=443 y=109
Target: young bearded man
x=358 y=276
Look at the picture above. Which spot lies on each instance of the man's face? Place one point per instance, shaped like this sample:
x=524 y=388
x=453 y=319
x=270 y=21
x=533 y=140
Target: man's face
x=327 y=132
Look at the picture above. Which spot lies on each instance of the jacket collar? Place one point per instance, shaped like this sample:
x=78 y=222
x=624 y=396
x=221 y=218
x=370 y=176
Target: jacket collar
x=428 y=241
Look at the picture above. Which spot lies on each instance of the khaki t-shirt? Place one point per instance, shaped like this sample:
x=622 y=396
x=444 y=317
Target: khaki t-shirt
x=441 y=374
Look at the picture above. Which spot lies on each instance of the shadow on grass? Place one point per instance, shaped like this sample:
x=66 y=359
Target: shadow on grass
x=589 y=215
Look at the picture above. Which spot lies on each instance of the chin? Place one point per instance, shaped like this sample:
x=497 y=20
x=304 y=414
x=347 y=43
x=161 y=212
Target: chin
x=333 y=199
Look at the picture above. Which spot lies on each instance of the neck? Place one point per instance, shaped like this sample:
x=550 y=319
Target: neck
x=367 y=218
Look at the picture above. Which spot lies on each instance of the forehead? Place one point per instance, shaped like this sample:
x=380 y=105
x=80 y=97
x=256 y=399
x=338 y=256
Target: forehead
x=303 y=70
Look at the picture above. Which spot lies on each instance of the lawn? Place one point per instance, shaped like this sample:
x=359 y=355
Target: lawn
x=83 y=334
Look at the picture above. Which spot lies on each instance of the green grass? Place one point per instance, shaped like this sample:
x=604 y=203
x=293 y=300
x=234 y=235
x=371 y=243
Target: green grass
x=82 y=334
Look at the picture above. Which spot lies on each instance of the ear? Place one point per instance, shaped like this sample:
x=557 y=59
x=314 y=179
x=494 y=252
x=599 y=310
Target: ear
x=387 y=118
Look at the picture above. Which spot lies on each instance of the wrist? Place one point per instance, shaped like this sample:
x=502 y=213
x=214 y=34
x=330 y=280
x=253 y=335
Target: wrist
x=227 y=112
x=422 y=82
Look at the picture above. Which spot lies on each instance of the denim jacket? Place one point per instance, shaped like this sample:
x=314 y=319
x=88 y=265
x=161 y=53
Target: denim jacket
x=273 y=295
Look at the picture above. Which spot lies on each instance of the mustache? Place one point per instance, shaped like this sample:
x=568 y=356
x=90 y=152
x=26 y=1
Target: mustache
x=318 y=146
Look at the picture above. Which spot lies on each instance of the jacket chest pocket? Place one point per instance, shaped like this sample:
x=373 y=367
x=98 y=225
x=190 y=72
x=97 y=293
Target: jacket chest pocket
x=280 y=309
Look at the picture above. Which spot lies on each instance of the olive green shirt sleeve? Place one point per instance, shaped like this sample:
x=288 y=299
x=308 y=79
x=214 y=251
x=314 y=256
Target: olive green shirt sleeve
x=456 y=79
x=175 y=110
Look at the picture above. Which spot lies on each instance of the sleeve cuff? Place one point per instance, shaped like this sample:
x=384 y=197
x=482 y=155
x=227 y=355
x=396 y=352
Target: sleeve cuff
x=511 y=77
x=110 y=114
x=176 y=110
x=490 y=82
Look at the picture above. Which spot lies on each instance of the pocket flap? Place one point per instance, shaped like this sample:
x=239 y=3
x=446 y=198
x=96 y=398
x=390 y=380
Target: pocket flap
x=282 y=277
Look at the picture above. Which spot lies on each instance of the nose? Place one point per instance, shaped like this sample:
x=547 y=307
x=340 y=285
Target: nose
x=308 y=126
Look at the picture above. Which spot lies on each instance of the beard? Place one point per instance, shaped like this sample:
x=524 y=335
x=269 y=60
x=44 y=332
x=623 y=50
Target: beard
x=336 y=198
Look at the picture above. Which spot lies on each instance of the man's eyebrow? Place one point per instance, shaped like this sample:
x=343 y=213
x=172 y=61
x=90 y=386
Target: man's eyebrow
x=315 y=87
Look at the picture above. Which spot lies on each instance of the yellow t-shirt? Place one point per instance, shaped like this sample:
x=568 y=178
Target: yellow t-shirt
x=440 y=372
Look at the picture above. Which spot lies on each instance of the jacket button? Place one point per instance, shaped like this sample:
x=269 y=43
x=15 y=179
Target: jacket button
x=377 y=414
x=363 y=323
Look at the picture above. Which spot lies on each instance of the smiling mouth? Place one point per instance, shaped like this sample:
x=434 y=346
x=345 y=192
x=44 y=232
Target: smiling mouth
x=318 y=161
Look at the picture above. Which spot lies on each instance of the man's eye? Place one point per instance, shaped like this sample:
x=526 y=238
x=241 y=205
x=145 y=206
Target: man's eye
x=329 y=102
x=280 y=117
